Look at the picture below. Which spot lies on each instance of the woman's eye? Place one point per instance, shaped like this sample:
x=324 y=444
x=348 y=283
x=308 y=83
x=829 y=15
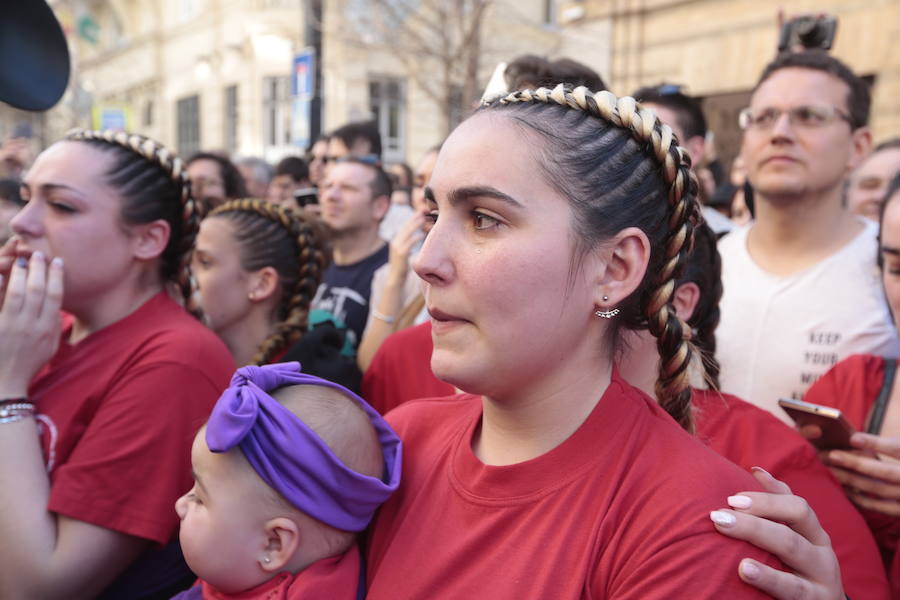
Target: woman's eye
x=61 y=207
x=431 y=217
x=483 y=221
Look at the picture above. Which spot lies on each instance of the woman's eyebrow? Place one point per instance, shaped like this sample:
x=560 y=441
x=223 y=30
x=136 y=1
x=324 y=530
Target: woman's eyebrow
x=464 y=194
x=891 y=250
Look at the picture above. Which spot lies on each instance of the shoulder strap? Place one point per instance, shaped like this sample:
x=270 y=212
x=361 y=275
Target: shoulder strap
x=361 y=590
x=875 y=421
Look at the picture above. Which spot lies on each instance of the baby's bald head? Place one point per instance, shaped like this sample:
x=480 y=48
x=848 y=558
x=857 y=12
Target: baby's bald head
x=340 y=422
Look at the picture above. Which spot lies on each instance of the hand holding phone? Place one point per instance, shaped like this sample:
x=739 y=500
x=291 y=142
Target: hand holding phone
x=833 y=429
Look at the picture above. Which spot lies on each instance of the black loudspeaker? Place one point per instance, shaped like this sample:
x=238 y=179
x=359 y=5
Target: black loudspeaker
x=34 y=57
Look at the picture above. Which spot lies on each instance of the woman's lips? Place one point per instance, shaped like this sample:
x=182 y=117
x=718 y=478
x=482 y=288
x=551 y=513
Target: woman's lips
x=441 y=321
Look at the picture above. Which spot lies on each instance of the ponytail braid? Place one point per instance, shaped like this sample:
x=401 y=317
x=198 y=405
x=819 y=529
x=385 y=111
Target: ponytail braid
x=154 y=185
x=620 y=167
x=271 y=235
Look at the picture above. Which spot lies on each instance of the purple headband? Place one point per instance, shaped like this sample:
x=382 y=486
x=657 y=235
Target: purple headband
x=290 y=457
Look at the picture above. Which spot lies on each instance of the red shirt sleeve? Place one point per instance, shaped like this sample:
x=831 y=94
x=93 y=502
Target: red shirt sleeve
x=852 y=386
x=133 y=460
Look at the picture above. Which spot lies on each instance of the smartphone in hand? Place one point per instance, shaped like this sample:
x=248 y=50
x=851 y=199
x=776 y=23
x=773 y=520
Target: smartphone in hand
x=835 y=428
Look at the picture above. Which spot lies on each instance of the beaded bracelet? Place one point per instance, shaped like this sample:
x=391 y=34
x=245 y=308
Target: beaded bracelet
x=11 y=412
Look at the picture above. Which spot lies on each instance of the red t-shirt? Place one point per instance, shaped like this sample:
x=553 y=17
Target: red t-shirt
x=333 y=578
x=401 y=370
x=749 y=436
x=117 y=414
x=852 y=385
x=618 y=510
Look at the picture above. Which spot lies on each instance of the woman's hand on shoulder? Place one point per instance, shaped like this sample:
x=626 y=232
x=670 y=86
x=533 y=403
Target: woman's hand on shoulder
x=30 y=321
x=870 y=483
x=783 y=524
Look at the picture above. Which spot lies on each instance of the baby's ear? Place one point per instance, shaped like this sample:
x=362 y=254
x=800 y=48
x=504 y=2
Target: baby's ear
x=282 y=542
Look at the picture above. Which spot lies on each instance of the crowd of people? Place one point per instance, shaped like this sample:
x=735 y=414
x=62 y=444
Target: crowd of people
x=544 y=363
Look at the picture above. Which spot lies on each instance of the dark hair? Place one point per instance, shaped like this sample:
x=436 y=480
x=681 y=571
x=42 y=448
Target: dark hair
x=529 y=70
x=359 y=130
x=322 y=138
x=231 y=178
x=891 y=144
x=381 y=182
x=153 y=185
x=687 y=110
x=704 y=267
x=619 y=167
x=566 y=70
x=269 y=235
x=859 y=98
x=10 y=191
x=262 y=170
x=407 y=172
x=892 y=189
x=293 y=166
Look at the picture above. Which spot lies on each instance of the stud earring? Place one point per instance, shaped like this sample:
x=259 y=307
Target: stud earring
x=606 y=314
x=266 y=559
x=252 y=295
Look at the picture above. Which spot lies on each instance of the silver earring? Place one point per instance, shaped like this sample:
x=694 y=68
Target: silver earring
x=607 y=314
x=266 y=559
x=605 y=298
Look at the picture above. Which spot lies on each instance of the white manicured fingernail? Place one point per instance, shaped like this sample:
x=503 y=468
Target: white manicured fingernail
x=38 y=255
x=739 y=501
x=722 y=518
x=749 y=570
x=57 y=261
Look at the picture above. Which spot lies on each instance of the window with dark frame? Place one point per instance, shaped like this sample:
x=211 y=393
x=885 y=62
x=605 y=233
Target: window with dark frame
x=188 y=125
x=231 y=118
x=387 y=103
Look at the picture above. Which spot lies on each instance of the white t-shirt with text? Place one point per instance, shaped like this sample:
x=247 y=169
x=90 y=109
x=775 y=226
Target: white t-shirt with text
x=777 y=335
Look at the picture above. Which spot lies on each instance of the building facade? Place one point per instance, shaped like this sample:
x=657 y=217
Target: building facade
x=718 y=49
x=217 y=74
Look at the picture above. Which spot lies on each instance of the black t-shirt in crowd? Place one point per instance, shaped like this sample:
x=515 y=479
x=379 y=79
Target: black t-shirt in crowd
x=345 y=291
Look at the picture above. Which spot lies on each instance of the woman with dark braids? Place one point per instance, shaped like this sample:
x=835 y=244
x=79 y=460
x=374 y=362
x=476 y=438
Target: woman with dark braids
x=98 y=410
x=258 y=266
x=561 y=218
x=751 y=437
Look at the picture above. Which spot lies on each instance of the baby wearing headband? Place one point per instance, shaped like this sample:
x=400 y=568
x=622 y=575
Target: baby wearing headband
x=287 y=469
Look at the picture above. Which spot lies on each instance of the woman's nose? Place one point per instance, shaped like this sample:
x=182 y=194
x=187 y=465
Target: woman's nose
x=434 y=262
x=26 y=222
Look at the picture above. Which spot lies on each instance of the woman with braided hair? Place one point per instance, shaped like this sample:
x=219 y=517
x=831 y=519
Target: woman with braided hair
x=561 y=217
x=116 y=390
x=258 y=266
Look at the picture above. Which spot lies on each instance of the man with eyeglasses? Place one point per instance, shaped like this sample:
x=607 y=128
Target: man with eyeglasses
x=801 y=289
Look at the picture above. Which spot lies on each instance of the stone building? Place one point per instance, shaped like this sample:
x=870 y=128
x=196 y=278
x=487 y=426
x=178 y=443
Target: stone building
x=216 y=74
x=718 y=49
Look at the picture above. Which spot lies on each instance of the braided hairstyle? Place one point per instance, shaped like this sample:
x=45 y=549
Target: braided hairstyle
x=620 y=167
x=704 y=267
x=152 y=183
x=269 y=235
